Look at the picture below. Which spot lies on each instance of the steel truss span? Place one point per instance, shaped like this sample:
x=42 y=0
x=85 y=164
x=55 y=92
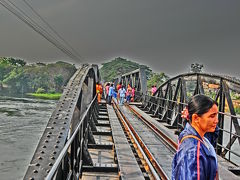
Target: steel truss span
x=172 y=96
x=72 y=117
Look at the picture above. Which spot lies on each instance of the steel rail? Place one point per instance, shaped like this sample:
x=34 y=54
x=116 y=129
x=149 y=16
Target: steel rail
x=167 y=141
x=68 y=143
x=152 y=162
x=127 y=128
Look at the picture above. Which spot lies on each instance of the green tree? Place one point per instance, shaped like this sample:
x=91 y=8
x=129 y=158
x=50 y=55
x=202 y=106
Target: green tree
x=58 y=79
x=157 y=79
x=110 y=70
x=5 y=68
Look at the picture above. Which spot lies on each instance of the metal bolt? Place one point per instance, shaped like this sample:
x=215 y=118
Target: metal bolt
x=42 y=152
x=35 y=171
x=54 y=152
x=40 y=158
x=56 y=146
x=37 y=164
x=50 y=164
x=52 y=157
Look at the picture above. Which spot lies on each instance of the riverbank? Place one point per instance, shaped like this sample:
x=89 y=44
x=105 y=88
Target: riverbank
x=55 y=96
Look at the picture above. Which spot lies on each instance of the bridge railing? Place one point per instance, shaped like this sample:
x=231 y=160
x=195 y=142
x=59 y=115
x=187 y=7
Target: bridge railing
x=73 y=151
x=171 y=97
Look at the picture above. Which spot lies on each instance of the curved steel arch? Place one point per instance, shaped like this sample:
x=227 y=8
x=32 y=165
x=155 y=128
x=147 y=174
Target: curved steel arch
x=78 y=94
x=171 y=97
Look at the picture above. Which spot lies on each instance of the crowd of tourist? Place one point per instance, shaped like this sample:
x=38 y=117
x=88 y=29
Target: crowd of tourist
x=120 y=92
x=195 y=157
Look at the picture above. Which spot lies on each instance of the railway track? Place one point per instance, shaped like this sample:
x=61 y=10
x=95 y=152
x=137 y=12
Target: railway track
x=158 y=152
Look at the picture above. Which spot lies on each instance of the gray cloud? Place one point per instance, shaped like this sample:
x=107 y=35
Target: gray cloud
x=166 y=35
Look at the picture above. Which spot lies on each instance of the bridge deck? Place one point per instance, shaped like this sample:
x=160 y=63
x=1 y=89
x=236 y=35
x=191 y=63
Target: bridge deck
x=104 y=165
x=160 y=152
x=129 y=168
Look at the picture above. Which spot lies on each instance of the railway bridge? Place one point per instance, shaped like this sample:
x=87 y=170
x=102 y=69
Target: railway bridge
x=85 y=139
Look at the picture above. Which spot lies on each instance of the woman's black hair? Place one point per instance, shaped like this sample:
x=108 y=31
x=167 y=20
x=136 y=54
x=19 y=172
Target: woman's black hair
x=200 y=104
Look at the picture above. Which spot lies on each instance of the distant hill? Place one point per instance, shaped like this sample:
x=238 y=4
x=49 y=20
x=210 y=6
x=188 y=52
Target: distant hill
x=118 y=66
x=18 y=76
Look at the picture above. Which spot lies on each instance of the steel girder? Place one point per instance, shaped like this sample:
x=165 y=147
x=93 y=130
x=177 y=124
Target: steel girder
x=77 y=95
x=172 y=96
x=137 y=79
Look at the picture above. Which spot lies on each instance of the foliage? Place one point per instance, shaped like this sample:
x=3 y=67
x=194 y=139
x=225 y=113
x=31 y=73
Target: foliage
x=237 y=110
x=196 y=68
x=157 y=79
x=58 y=79
x=20 y=77
x=40 y=91
x=5 y=68
x=119 y=66
x=52 y=91
x=13 y=61
x=55 y=96
x=235 y=95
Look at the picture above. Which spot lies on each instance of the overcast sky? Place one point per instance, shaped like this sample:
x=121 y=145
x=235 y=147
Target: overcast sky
x=166 y=35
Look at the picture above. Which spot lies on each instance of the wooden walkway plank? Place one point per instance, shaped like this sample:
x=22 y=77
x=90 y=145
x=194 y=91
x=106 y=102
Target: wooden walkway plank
x=129 y=168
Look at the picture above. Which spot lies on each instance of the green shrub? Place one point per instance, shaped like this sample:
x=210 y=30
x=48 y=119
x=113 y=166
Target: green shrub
x=52 y=91
x=40 y=91
x=237 y=110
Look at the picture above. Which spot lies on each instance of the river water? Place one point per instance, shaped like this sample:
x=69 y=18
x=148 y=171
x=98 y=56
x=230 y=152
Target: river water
x=22 y=122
